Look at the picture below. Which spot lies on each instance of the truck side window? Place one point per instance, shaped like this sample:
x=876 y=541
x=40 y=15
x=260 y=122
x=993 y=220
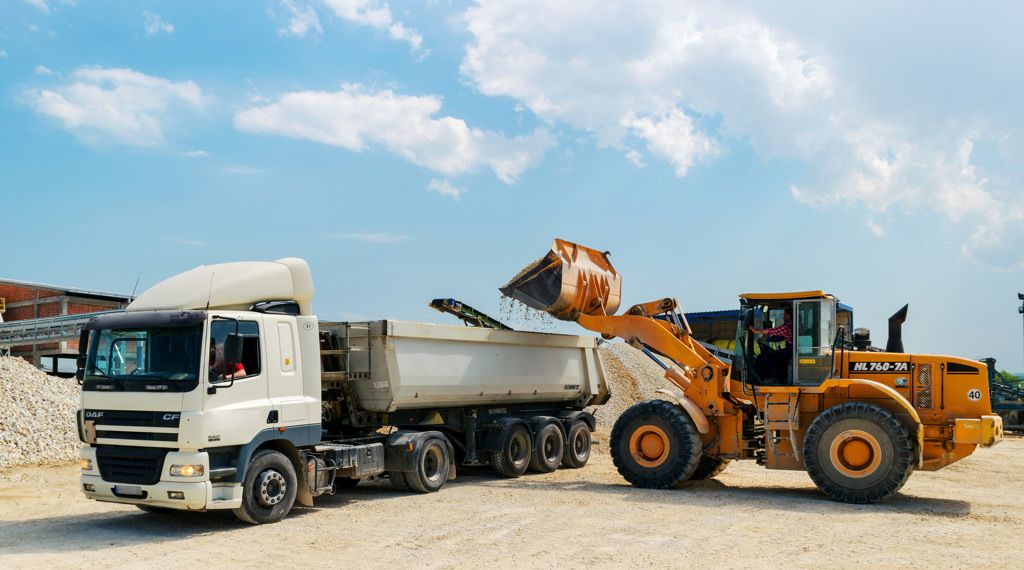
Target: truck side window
x=250 y=364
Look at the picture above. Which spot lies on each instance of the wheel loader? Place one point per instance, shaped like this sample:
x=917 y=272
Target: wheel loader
x=858 y=419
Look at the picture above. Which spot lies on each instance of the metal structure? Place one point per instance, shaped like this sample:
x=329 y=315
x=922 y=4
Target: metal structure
x=47 y=329
x=469 y=315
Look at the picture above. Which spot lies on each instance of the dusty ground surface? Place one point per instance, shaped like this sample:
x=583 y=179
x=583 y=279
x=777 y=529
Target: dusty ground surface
x=969 y=514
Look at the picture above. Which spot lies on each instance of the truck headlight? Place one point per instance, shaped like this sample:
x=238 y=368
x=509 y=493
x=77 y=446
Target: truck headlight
x=85 y=464
x=187 y=470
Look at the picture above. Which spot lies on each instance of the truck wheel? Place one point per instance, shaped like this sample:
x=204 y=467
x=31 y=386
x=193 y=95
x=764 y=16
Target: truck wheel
x=655 y=445
x=708 y=467
x=858 y=453
x=432 y=463
x=515 y=449
x=269 y=489
x=548 y=447
x=577 y=446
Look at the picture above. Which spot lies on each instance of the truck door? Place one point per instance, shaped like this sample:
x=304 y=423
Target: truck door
x=284 y=368
x=242 y=397
x=813 y=333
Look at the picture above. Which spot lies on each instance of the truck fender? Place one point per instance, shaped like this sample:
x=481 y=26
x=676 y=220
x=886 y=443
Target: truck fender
x=691 y=409
x=568 y=418
x=893 y=395
x=400 y=450
x=536 y=422
x=493 y=441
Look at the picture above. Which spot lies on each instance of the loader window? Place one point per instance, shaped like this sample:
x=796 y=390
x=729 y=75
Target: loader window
x=813 y=335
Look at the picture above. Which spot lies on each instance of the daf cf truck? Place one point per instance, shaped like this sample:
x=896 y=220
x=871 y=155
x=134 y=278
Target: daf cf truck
x=219 y=389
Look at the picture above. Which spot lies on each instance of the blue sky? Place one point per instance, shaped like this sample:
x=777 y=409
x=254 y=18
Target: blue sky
x=418 y=150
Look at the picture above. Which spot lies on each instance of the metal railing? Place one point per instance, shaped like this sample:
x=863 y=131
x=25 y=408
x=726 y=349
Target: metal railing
x=47 y=329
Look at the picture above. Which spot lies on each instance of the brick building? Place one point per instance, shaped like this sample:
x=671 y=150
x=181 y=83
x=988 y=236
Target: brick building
x=21 y=301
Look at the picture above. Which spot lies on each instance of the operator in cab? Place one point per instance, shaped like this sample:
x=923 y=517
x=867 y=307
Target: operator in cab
x=771 y=363
x=219 y=369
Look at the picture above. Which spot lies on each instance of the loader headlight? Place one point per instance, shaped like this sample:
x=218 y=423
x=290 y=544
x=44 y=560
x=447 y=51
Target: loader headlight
x=187 y=470
x=85 y=464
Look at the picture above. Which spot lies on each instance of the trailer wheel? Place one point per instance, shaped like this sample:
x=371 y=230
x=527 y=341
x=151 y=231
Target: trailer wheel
x=432 y=462
x=708 y=468
x=513 y=456
x=577 y=446
x=858 y=453
x=268 y=492
x=548 y=448
x=655 y=445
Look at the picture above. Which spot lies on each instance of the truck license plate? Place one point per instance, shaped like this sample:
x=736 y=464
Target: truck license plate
x=129 y=490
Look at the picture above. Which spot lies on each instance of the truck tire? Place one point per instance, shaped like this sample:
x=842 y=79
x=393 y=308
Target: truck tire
x=655 y=445
x=577 y=446
x=858 y=453
x=268 y=492
x=548 y=448
x=432 y=463
x=708 y=467
x=513 y=455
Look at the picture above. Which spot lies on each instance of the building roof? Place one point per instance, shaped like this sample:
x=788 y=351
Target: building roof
x=816 y=294
x=69 y=290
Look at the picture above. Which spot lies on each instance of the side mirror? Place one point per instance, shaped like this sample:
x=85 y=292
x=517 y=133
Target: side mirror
x=83 y=351
x=233 y=349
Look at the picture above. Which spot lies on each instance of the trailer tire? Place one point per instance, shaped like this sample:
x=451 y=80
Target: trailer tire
x=514 y=451
x=548 y=448
x=431 y=462
x=858 y=453
x=708 y=468
x=577 y=446
x=655 y=445
x=269 y=489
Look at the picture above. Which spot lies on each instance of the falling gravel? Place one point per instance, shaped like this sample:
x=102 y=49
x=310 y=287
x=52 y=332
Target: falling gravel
x=37 y=415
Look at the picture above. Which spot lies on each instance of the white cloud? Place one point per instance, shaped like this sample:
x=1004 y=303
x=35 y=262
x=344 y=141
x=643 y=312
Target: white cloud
x=155 y=24
x=195 y=154
x=445 y=188
x=685 y=79
x=41 y=5
x=374 y=237
x=304 y=20
x=636 y=158
x=42 y=70
x=3 y=53
x=875 y=229
x=375 y=14
x=355 y=118
x=242 y=169
x=120 y=105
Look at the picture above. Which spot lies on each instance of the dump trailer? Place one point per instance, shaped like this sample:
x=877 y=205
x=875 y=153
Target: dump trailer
x=219 y=389
x=796 y=395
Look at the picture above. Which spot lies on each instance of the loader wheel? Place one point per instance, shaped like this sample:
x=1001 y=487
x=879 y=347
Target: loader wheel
x=269 y=489
x=708 y=468
x=858 y=453
x=513 y=456
x=655 y=445
x=577 y=446
x=548 y=447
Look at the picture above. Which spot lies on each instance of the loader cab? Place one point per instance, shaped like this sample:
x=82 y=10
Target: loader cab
x=770 y=360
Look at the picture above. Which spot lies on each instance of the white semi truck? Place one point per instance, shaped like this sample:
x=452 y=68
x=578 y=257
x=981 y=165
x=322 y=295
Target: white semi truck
x=219 y=389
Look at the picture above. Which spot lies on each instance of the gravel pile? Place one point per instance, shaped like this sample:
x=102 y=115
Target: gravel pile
x=632 y=377
x=37 y=415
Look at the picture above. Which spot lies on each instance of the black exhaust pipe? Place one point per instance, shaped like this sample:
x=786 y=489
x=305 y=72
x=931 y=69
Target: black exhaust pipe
x=895 y=342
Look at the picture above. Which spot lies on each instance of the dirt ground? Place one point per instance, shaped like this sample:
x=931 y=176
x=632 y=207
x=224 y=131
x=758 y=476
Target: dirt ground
x=969 y=514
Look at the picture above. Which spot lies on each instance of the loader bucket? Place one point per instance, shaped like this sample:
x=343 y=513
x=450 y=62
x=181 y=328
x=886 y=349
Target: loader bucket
x=570 y=280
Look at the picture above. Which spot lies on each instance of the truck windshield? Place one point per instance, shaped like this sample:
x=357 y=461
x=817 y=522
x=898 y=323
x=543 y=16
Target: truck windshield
x=145 y=359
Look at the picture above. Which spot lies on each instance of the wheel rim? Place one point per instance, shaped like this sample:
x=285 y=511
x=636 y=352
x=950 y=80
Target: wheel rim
x=517 y=449
x=432 y=460
x=579 y=443
x=550 y=448
x=855 y=453
x=272 y=488
x=649 y=445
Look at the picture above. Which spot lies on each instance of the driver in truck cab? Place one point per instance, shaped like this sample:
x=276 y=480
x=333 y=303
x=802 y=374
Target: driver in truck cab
x=772 y=363
x=219 y=370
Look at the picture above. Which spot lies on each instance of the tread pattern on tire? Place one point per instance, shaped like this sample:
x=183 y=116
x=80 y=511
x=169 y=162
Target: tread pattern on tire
x=683 y=458
x=262 y=515
x=569 y=459
x=902 y=447
x=501 y=463
x=537 y=462
x=708 y=468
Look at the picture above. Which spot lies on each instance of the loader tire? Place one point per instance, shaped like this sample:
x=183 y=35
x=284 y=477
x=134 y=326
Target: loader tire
x=548 y=448
x=708 y=468
x=858 y=453
x=655 y=445
x=577 y=446
x=515 y=450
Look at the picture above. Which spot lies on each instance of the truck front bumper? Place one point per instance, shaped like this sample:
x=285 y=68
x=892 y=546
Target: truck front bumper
x=181 y=494
x=985 y=432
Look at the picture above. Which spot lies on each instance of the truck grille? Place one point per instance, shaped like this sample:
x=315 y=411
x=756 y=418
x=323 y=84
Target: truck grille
x=923 y=388
x=135 y=465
